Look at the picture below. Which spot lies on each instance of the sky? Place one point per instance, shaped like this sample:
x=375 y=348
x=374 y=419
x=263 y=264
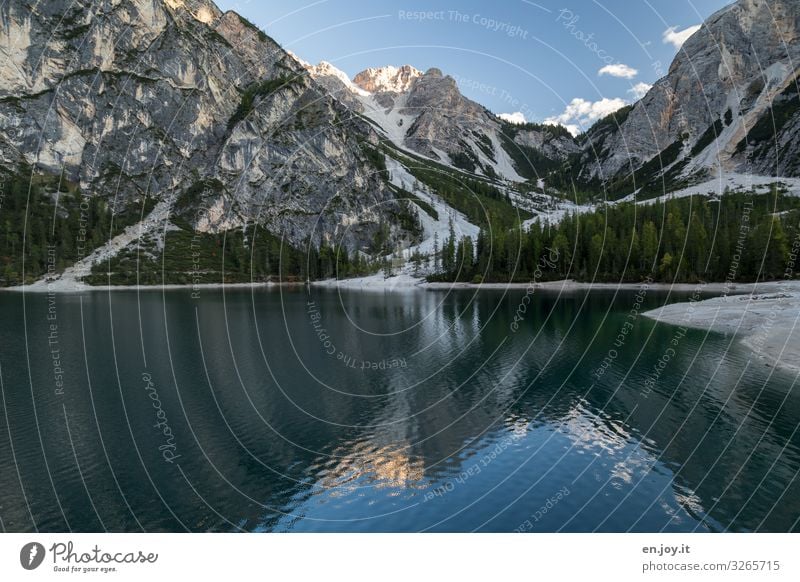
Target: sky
x=567 y=61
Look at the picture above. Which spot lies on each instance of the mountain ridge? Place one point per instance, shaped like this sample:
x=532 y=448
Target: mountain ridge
x=198 y=116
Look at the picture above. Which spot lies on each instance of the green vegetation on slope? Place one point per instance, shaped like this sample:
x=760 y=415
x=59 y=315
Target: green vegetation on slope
x=480 y=201
x=529 y=162
x=46 y=224
x=197 y=258
x=708 y=137
x=609 y=123
x=403 y=194
x=739 y=237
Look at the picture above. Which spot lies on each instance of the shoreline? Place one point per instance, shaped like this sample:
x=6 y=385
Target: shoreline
x=406 y=282
x=83 y=288
x=768 y=323
x=571 y=285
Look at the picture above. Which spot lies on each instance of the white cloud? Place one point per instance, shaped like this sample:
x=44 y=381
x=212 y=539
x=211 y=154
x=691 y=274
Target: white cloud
x=677 y=37
x=570 y=127
x=581 y=114
x=619 y=70
x=517 y=117
x=639 y=90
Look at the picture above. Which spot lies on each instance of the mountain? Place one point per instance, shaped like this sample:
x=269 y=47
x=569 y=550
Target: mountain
x=729 y=102
x=427 y=114
x=140 y=99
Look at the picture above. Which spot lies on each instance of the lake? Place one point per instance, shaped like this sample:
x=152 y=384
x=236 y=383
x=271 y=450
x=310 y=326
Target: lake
x=285 y=409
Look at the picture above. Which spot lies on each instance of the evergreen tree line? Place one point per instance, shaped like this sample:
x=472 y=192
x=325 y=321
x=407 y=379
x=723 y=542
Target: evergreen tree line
x=737 y=237
x=45 y=217
x=256 y=256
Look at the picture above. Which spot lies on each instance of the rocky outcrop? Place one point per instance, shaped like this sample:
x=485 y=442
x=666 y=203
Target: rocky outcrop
x=444 y=119
x=729 y=102
x=336 y=83
x=551 y=142
x=177 y=101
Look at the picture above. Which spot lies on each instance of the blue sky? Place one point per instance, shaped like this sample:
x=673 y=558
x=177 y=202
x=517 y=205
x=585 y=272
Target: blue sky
x=541 y=58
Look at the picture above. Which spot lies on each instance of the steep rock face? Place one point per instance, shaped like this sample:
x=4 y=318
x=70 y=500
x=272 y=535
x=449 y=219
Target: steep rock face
x=555 y=146
x=444 y=119
x=148 y=97
x=92 y=94
x=729 y=102
x=297 y=165
x=771 y=145
x=473 y=138
x=724 y=79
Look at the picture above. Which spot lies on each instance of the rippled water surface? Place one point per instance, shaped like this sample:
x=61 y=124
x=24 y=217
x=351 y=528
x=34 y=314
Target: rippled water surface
x=281 y=410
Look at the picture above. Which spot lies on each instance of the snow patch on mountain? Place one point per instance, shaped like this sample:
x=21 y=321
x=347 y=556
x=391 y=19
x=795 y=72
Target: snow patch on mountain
x=433 y=229
x=383 y=95
x=389 y=119
x=155 y=224
x=502 y=163
x=557 y=212
x=729 y=182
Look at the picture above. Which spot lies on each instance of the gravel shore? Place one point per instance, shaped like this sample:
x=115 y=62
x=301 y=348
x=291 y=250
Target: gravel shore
x=767 y=322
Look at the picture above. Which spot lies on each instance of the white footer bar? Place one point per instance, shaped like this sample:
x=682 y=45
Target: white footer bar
x=390 y=557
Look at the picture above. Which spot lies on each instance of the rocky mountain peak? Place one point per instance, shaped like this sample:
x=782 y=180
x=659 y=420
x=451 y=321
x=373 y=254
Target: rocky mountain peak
x=436 y=91
x=387 y=79
x=201 y=10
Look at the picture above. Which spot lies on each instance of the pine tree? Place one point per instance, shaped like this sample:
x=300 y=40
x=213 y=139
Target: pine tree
x=634 y=253
x=436 y=263
x=666 y=268
x=649 y=247
x=561 y=246
x=770 y=249
x=449 y=251
x=696 y=247
x=595 y=256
